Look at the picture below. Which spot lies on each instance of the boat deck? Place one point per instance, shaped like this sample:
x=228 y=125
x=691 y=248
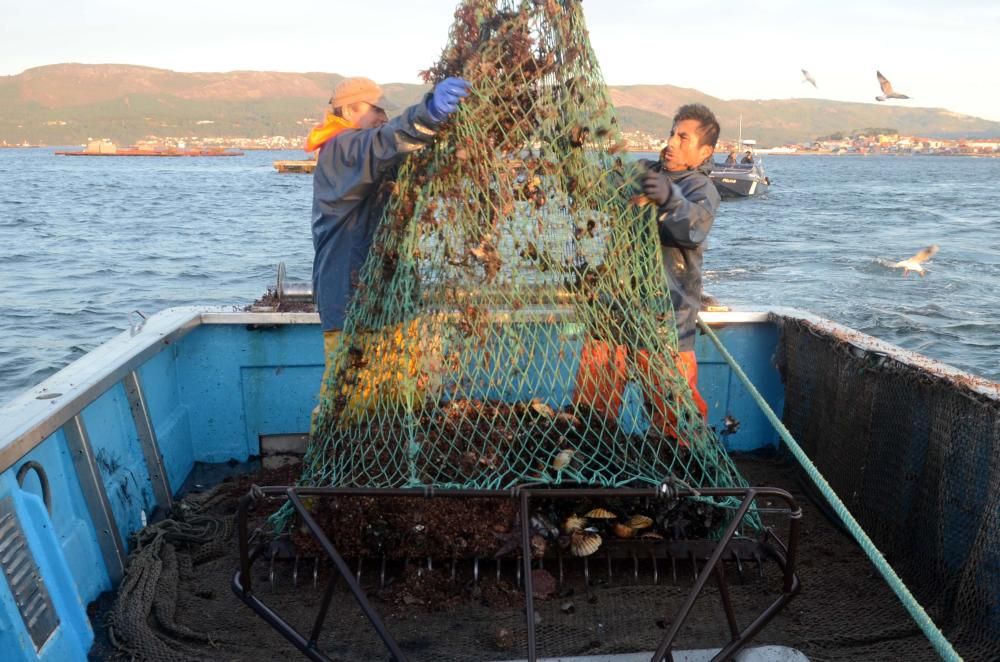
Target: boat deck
x=845 y=610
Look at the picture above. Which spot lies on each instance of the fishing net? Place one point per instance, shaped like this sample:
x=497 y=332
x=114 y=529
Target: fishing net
x=918 y=464
x=145 y=620
x=513 y=321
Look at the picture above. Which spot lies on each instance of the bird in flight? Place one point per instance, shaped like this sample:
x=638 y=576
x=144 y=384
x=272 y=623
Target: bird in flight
x=887 y=91
x=916 y=263
x=807 y=78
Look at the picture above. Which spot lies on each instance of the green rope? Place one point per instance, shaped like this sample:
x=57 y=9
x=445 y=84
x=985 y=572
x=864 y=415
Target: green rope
x=937 y=639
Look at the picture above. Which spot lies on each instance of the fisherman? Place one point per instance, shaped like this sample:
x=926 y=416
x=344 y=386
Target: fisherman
x=360 y=150
x=747 y=158
x=686 y=201
x=731 y=159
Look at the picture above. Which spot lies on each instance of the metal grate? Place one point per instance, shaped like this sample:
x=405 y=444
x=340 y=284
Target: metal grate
x=24 y=577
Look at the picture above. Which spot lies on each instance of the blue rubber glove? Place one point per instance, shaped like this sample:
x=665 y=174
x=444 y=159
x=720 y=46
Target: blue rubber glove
x=445 y=97
x=657 y=187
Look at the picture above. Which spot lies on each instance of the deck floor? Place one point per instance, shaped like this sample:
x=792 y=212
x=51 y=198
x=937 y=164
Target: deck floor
x=843 y=612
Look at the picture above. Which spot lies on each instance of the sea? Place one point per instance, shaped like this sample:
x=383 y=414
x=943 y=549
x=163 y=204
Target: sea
x=85 y=241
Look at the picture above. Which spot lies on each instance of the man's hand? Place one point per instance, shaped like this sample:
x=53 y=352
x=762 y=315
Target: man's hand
x=445 y=97
x=656 y=186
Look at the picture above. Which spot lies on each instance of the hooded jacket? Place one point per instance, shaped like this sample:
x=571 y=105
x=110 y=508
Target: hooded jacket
x=348 y=204
x=684 y=222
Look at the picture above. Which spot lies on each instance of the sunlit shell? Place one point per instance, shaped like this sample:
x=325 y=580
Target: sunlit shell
x=562 y=459
x=640 y=522
x=584 y=543
x=623 y=530
x=568 y=418
x=601 y=513
x=574 y=523
x=651 y=535
x=542 y=408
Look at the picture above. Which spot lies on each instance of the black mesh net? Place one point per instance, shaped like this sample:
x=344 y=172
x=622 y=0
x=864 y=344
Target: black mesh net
x=916 y=458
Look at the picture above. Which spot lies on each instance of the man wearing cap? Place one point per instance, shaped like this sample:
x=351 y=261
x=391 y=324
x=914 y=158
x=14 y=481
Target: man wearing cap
x=359 y=149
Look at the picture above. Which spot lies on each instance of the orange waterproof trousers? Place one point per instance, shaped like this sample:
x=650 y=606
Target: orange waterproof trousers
x=602 y=377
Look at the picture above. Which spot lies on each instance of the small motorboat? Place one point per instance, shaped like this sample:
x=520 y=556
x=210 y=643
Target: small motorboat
x=741 y=176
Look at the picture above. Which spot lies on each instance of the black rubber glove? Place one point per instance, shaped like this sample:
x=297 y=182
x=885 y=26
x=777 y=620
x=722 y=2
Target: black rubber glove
x=656 y=186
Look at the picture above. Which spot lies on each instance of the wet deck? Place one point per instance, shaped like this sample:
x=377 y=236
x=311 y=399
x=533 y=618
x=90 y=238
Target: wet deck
x=844 y=610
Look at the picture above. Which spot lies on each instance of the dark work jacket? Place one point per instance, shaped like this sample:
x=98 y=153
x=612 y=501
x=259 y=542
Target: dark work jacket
x=347 y=205
x=684 y=223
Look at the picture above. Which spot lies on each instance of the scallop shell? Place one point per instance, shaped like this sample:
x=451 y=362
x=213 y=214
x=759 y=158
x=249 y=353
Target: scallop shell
x=623 y=530
x=584 y=543
x=601 y=513
x=574 y=523
x=562 y=459
x=651 y=535
x=640 y=522
x=542 y=408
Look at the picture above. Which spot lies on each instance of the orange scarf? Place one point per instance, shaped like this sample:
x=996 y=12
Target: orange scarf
x=321 y=133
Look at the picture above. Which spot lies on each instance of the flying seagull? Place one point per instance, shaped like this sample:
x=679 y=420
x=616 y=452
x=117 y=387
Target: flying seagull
x=807 y=78
x=887 y=91
x=916 y=263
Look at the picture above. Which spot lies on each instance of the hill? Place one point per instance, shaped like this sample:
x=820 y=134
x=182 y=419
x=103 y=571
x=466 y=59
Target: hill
x=69 y=103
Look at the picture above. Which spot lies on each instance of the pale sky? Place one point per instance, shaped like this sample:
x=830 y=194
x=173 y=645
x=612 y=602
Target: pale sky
x=941 y=53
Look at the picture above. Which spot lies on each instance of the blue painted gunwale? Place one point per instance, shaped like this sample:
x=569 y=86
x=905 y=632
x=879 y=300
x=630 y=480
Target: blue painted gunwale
x=214 y=381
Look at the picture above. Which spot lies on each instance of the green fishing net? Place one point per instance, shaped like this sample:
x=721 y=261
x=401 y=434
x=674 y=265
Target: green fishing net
x=513 y=322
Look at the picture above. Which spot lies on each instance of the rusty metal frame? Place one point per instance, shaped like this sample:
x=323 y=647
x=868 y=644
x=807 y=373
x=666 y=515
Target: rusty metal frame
x=242 y=584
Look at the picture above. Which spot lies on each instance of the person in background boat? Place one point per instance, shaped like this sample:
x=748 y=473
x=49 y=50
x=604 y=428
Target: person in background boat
x=360 y=150
x=747 y=158
x=731 y=159
x=686 y=201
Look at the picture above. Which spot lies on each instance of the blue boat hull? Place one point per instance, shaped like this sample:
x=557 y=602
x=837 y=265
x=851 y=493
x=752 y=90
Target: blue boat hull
x=115 y=435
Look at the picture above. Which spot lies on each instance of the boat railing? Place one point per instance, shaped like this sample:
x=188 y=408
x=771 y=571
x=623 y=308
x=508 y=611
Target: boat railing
x=39 y=412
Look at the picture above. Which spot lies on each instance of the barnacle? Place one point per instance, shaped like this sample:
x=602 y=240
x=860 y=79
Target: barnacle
x=623 y=530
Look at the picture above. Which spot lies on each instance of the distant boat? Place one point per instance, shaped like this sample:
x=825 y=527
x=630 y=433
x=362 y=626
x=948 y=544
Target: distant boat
x=108 y=148
x=739 y=179
x=295 y=166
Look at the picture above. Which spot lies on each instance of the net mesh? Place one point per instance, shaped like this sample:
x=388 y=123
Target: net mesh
x=918 y=464
x=513 y=321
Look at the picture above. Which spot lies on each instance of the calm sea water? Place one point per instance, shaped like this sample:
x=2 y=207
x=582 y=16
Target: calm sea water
x=84 y=241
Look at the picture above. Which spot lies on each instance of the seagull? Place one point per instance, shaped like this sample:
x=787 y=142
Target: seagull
x=807 y=78
x=916 y=263
x=887 y=91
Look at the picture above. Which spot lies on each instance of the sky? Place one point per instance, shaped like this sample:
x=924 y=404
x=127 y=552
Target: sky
x=941 y=53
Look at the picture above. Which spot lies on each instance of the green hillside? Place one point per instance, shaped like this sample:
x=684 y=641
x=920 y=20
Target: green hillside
x=68 y=103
